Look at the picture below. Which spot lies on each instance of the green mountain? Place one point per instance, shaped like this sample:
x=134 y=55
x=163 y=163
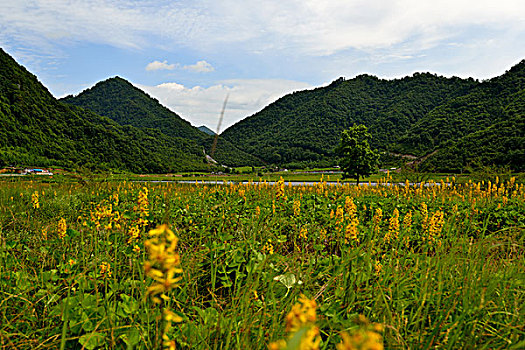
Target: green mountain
x=415 y=115
x=126 y=104
x=37 y=129
x=306 y=126
x=482 y=127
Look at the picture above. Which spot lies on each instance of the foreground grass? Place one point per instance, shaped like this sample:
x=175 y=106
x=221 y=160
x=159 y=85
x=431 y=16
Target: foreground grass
x=436 y=267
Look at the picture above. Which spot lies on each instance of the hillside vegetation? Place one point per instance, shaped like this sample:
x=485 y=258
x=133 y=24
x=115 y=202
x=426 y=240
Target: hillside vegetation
x=36 y=129
x=414 y=115
x=126 y=104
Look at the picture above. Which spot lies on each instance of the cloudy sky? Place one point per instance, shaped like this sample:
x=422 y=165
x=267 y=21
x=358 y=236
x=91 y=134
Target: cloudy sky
x=190 y=54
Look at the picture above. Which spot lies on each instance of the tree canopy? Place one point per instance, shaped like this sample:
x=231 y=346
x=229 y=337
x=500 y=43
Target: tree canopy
x=357 y=158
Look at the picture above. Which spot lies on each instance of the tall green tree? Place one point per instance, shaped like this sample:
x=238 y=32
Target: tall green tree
x=357 y=158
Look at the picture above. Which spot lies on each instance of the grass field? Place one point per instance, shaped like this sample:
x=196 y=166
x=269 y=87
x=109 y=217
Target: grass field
x=123 y=264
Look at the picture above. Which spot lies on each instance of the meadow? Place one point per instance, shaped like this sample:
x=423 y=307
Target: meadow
x=124 y=265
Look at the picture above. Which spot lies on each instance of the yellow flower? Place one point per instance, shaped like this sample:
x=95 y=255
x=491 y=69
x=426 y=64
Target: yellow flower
x=303 y=233
x=393 y=227
x=366 y=337
x=62 y=228
x=350 y=207
x=163 y=263
x=351 y=231
x=34 y=200
x=296 y=207
x=301 y=317
x=105 y=269
x=302 y=313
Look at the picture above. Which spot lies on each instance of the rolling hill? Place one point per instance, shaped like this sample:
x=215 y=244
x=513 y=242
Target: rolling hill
x=126 y=104
x=416 y=115
x=37 y=129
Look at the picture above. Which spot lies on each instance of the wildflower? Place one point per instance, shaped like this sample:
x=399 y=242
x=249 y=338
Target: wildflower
x=280 y=188
x=376 y=220
x=44 y=233
x=339 y=218
x=366 y=337
x=142 y=202
x=34 y=200
x=163 y=265
x=302 y=316
x=296 y=207
x=351 y=231
x=62 y=228
x=393 y=227
x=257 y=211
x=134 y=234
x=303 y=233
x=169 y=317
x=378 y=267
x=268 y=247
x=350 y=207
x=424 y=216
x=435 y=226
x=136 y=249
x=407 y=221
x=105 y=269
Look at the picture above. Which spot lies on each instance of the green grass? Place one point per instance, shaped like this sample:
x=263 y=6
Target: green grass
x=459 y=285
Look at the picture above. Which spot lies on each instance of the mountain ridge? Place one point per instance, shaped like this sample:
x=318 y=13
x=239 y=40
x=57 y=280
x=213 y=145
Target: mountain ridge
x=126 y=104
x=417 y=114
x=37 y=129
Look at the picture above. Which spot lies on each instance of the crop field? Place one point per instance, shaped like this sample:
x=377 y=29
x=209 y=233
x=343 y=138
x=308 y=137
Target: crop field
x=138 y=265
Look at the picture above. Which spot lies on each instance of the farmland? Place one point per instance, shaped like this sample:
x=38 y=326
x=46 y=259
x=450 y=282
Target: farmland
x=149 y=265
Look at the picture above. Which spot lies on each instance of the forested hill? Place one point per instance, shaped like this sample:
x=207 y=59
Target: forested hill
x=126 y=104
x=403 y=115
x=484 y=127
x=306 y=125
x=38 y=130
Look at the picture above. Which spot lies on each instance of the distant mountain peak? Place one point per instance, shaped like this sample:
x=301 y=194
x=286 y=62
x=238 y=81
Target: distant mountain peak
x=206 y=130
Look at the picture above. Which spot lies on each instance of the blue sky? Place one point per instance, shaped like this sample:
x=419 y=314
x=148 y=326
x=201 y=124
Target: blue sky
x=191 y=54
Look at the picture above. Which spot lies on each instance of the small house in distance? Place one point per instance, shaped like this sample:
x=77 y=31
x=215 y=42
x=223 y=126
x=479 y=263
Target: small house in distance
x=35 y=171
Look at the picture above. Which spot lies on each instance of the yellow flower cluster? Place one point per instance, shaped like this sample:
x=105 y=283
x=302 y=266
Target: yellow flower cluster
x=407 y=221
x=376 y=220
x=163 y=265
x=142 y=206
x=280 y=188
x=351 y=231
x=268 y=247
x=133 y=234
x=62 y=228
x=366 y=337
x=393 y=227
x=300 y=322
x=34 y=200
x=303 y=233
x=435 y=226
x=296 y=207
x=105 y=269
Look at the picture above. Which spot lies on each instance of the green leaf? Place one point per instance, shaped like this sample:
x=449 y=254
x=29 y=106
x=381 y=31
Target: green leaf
x=92 y=341
x=131 y=337
x=288 y=279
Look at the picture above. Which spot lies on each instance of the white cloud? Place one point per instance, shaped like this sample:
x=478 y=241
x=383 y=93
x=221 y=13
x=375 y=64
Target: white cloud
x=200 y=67
x=202 y=105
x=312 y=27
x=157 y=65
